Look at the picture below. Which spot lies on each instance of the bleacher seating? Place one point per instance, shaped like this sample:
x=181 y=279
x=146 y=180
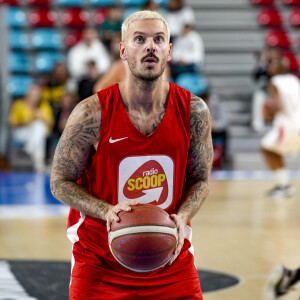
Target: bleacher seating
x=10 y=2
x=39 y=2
x=262 y=2
x=74 y=17
x=294 y=17
x=47 y=38
x=19 y=84
x=19 y=62
x=18 y=39
x=72 y=37
x=42 y=17
x=135 y=3
x=195 y=83
x=16 y=17
x=291 y=2
x=45 y=61
x=278 y=38
x=269 y=17
x=99 y=16
x=292 y=61
x=70 y=3
x=102 y=2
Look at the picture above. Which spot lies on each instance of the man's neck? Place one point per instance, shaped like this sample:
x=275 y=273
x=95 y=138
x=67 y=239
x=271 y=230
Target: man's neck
x=144 y=97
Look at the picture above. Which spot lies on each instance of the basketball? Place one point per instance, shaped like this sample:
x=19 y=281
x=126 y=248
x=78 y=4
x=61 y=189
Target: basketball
x=144 y=239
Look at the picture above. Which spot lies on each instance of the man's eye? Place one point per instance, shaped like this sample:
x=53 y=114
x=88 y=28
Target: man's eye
x=159 y=39
x=139 y=39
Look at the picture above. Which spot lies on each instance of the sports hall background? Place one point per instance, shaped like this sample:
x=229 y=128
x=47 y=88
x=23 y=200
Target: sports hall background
x=239 y=234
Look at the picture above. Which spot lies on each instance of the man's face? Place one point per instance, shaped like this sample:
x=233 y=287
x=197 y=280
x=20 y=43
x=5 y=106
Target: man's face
x=146 y=49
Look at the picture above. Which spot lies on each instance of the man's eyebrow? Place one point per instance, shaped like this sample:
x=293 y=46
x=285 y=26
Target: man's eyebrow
x=140 y=32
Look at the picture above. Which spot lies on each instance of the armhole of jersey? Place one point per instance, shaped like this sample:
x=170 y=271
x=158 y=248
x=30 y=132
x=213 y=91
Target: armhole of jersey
x=99 y=95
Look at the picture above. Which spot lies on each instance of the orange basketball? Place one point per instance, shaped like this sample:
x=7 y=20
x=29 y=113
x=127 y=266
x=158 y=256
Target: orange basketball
x=144 y=239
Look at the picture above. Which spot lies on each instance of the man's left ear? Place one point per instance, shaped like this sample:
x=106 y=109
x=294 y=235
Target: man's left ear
x=123 y=53
x=170 y=51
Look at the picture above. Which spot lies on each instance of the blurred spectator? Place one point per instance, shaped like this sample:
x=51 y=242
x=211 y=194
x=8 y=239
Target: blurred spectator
x=55 y=85
x=178 y=15
x=151 y=5
x=219 y=126
x=61 y=114
x=111 y=25
x=115 y=46
x=187 y=52
x=31 y=122
x=283 y=138
x=261 y=77
x=90 y=48
x=86 y=84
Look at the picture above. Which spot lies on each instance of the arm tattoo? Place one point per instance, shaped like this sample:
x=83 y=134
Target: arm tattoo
x=200 y=159
x=71 y=158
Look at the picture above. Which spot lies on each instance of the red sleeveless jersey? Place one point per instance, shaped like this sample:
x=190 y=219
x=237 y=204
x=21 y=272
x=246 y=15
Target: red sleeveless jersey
x=130 y=165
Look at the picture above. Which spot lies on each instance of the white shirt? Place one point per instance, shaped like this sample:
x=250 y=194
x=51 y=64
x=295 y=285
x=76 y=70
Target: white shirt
x=188 y=48
x=81 y=54
x=288 y=87
x=177 y=19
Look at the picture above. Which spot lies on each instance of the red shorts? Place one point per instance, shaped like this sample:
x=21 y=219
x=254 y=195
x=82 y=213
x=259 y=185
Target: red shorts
x=88 y=289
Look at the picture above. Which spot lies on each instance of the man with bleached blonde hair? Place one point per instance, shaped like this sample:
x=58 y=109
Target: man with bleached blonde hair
x=113 y=139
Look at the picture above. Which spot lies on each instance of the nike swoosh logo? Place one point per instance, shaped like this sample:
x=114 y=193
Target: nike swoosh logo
x=117 y=140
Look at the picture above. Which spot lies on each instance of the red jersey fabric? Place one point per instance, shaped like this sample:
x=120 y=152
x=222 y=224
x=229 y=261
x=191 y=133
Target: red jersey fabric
x=130 y=165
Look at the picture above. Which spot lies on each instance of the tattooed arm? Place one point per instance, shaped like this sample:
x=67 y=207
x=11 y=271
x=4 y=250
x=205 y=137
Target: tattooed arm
x=71 y=158
x=198 y=168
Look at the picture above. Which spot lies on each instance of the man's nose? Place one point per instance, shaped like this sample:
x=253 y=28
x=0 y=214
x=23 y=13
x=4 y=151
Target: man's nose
x=151 y=46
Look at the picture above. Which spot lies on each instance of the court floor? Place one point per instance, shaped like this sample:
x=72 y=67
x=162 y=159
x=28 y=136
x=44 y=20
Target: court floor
x=238 y=230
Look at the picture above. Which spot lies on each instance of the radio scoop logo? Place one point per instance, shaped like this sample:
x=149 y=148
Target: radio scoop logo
x=148 y=184
x=147 y=178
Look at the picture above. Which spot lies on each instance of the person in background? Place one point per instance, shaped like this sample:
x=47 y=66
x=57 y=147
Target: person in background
x=151 y=5
x=61 y=115
x=280 y=282
x=187 y=52
x=283 y=138
x=261 y=78
x=86 y=84
x=55 y=84
x=31 y=122
x=111 y=25
x=90 y=48
x=177 y=16
x=219 y=126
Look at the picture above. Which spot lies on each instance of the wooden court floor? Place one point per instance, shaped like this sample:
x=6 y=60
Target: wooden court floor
x=238 y=231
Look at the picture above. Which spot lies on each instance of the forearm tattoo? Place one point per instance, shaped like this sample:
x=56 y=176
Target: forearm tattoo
x=200 y=159
x=72 y=155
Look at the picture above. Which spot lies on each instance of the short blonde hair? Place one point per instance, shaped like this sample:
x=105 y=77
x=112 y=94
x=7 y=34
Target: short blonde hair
x=143 y=15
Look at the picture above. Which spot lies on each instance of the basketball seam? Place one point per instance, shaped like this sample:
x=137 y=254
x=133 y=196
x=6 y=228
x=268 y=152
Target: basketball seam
x=142 y=229
x=141 y=255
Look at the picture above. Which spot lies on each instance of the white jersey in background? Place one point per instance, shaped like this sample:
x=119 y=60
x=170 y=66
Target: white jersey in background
x=284 y=136
x=288 y=87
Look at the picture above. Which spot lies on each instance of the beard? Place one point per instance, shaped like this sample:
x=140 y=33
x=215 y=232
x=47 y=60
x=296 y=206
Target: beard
x=149 y=76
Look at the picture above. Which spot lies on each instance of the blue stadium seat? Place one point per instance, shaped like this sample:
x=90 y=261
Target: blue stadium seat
x=18 y=39
x=47 y=38
x=45 y=61
x=71 y=3
x=18 y=85
x=16 y=17
x=132 y=2
x=192 y=82
x=128 y=11
x=102 y=2
x=19 y=62
x=161 y=2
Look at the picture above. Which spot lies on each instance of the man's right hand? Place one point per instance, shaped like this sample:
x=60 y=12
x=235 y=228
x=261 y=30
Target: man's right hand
x=112 y=213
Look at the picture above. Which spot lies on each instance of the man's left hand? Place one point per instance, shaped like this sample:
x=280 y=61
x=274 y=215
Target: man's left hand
x=180 y=225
